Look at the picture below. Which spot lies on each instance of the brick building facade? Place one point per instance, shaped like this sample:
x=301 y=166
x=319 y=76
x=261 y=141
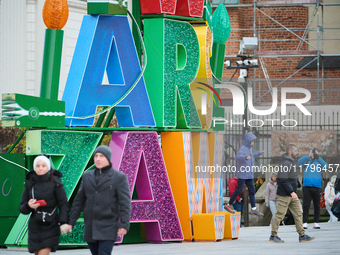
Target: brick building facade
x=286 y=54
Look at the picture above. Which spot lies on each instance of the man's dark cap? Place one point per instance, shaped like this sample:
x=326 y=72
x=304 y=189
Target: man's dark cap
x=105 y=150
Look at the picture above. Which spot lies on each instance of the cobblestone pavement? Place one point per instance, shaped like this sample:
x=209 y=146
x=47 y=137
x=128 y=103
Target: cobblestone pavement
x=252 y=240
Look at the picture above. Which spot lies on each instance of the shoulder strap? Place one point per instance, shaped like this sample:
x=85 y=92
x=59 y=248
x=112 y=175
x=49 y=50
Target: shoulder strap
x=55 y=208
x=33 y=192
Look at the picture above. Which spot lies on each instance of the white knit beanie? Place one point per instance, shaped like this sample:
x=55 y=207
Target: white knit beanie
x=42 y=158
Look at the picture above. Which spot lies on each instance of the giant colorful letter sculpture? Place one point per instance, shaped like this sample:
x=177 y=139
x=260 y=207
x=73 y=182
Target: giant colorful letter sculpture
x=11 y=177
x=70 y=152
x=187 y=173
x=29 y=111
x=173 y=53
x=200 y=152
x=105 y=43
x=176 y=197
x=203 y=96
x=139 y=156
x=213 y=185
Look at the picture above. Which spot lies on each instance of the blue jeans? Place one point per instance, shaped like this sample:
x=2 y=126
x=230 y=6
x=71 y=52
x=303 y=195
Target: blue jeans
x=101 y=247
x=273 y=208
x=239 y=189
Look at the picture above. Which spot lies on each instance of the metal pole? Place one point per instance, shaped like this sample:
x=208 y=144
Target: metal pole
x=101 y=119
x=254 y=18
x=259 y=49
x=136 y=13
x=244 y=131
x=254 y=52
x=322 y=64
x=246 y=207
x=109 y=117
x=17 y=141
x=216 y=63
x=318 y=50
x=245 y=87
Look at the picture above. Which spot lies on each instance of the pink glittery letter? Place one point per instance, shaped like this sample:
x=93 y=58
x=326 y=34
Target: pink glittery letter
x=139 y=156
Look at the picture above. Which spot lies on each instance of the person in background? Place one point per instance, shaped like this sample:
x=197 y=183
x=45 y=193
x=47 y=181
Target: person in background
x=239 y=203
x=335 y=209
x=329 y=198
x=44 y=184
x=287 y=181
x=312 y=165
x=271 y=196
x=289 y=219
x=337 y=184
x=245 y=173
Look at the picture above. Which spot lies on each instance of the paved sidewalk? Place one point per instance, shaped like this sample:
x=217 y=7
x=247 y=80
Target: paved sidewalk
x=252 y=240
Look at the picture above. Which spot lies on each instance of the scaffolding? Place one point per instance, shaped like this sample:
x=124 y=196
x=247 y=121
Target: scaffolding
x=316 y=53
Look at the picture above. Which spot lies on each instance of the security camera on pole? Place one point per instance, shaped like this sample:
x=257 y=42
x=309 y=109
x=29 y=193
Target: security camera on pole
x=247 y=43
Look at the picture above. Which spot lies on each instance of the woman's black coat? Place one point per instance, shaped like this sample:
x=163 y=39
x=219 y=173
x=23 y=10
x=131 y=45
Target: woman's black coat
x=49 y=188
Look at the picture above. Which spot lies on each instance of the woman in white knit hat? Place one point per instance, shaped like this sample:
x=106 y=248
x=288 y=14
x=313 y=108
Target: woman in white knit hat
x=44 y=193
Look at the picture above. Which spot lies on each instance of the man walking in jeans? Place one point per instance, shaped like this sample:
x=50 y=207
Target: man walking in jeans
x=286 y=192
x=312 y=166
x=245 y=173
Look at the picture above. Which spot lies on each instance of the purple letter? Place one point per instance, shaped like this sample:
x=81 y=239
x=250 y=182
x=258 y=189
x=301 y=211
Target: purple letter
x=139 y=156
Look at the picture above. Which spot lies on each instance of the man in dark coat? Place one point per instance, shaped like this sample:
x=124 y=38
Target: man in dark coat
x=105 y=193
x=287 y=182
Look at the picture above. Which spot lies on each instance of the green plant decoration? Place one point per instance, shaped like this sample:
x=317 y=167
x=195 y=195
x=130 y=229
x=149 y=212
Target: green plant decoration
x=220 y=24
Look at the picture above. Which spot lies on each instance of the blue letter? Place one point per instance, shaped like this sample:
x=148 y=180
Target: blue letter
x=105 y=42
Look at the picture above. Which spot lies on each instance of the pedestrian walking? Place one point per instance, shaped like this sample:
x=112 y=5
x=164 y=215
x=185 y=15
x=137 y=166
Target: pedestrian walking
x=287 y=182
x=104 y=194
x=271 y=196
x=245 y=172
x=329 y=198
x=43 y=195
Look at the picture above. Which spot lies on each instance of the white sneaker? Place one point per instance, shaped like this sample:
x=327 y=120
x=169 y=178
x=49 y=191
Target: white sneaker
x=305 y=225
x=316 y=226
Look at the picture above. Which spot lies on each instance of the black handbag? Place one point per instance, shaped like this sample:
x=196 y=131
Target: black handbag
x=41 y=217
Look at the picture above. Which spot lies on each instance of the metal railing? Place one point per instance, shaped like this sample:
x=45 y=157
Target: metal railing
x=320 y=120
